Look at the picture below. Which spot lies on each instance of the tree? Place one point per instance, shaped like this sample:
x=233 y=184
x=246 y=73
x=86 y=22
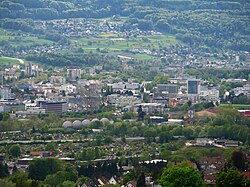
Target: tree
x=239 y=160
x=189 y=103
x=15 y=150
x=141 y=180
x=161 y=79
x=33 y=129
x=51 y=146
x=7 y=183
x=231 y=178
x=141 y=113
x=57 y=178
x=1 y=116
x=127 y=115
x=68 y=184
x=81 y=180
x=248 y=140
x=3 y=170
x=182 y=175
x=108 y=139
x=131 y=175
x=21 y=179
x=40 y=168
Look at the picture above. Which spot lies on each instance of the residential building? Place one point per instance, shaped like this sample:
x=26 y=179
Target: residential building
x=92 y=102
x=1 y=78
x=118 y=86
x=11 y=105
x=203 y=142
x=209 y=93
x=57 y=80
x=122 y=100
x=5 y=93
x=126 y=86
x=73 y=73
x=28 y=69
x=245 y=90
x=211 y=166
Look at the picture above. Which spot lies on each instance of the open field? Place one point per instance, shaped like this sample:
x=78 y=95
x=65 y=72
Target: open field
x=8 y=60
x=237 y=106
x=21 y=41
x=28 y=41
x=115 y=42
x=116 y=45
x=205 y=113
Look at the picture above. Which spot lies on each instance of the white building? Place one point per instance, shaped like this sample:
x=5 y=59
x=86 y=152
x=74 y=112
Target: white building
x=209 y=94
x=118 y=86
x=73 y=73
x=68 y=88
x=5 y=93
x=57 y=79
x=242 y=90
x=122 y=100
x=132 y=86
x=1 y=78
x=150 y=107
x=126 y=86
x=28 y=69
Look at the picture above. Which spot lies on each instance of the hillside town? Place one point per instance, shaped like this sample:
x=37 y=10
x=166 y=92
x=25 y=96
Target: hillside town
x=124 y=93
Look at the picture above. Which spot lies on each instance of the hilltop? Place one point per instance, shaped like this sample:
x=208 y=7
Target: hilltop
x=211 y=25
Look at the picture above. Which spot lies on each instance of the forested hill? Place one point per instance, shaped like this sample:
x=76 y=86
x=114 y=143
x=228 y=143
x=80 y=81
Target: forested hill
x=213 y=23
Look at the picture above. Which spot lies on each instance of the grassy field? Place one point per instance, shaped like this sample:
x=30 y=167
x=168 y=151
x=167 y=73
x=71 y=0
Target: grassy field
x=117 y=45
x=7 y=60
x=28 y=41
x=19 y=41
x=236 y=106
x=4 y=35
x=115 y=42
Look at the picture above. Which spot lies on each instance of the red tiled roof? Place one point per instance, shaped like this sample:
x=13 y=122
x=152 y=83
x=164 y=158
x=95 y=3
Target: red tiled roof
x=133 y=183
x=189 y=163
x=36 y=152
x=209 y=177
x=246 y=174
x=212 y=160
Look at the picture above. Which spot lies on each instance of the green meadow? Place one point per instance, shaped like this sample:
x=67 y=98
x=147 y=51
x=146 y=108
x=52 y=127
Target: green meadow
x=236 y=106
x=7 y=60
